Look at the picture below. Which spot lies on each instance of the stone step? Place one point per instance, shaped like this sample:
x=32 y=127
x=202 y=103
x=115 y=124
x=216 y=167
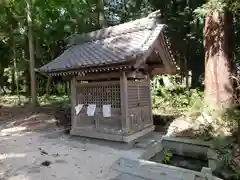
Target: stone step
x=148 y=140
x=128 y=177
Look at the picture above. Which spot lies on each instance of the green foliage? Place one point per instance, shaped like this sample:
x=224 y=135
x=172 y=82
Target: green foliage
x=197 y=108
x=226 y=150
x=54 y=21
x=51 y=100
x=218 y=5
x=176 y=99
x=167 y=157
x=234 y=6
x=209 y=7
x=122 y=11
x=232 y=114
x=43 y=100
x=225 y=156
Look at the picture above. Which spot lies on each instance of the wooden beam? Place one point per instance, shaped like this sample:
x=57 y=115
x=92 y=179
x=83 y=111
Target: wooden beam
x=158 y=71
x=93 y=133
x=166 y=63
x=147 y=52
x=165 y=55
x=96 y=69
x=142 y=60
x=155 y=69
x=143 y=66
x=124 y=103
x=155 y=66
x=96 y=76
x=67 y=78
x=135 y=74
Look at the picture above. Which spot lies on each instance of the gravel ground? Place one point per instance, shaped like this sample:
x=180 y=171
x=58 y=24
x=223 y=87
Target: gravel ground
x=41 y=156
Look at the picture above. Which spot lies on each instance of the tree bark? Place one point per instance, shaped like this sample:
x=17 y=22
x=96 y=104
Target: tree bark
x=12 y=44
x=48 y=86
x=186 y=72
x=101 y=17
x=31 y=55
x=218 y=59
x=13 y=87
x=16 y=75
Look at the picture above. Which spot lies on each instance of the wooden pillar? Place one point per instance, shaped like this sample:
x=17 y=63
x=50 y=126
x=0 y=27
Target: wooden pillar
x=73 y=102
x=150 y=99
x=124 y=103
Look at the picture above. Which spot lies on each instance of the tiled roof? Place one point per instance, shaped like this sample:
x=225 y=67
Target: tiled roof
x=114 y=45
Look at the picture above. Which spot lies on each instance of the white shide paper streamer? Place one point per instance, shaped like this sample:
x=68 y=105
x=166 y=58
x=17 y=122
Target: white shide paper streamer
x=78 y=108
x=106 y=110
x=91 y=109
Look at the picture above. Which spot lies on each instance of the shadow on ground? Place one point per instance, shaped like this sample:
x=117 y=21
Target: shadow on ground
x=162 y=122
x=39 y=118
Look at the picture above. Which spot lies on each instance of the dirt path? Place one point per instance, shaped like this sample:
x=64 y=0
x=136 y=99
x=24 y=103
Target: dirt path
x=22 y=155
x=30 y=151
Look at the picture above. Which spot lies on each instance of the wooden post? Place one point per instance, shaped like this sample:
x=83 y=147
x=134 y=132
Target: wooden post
x=124 y=103
x=73 y=102
x=150 y=99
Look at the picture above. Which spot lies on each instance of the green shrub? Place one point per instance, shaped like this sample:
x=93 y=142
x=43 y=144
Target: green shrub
x=167 y=157
x=176 y=99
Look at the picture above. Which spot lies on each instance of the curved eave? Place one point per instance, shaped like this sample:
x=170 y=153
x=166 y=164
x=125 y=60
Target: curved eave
x=84 y=71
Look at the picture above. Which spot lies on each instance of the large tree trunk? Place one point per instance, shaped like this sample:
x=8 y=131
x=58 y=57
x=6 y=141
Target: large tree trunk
x=218 y=59
x=31 y=55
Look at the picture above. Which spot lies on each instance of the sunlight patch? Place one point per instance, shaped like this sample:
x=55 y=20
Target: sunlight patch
x=12 y=155
x=19 y=177
x=10 y=131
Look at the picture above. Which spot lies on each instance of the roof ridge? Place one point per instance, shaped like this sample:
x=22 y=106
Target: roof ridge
x=112 y=31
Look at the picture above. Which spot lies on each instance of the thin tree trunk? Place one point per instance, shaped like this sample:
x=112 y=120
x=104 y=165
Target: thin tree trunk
x=31 y=55
x=66 y=87
x=186 y=72
x=11 y=41
x=13 y=81
x=218 y=59
x=187 y=78
x=48 y=86
x=37 y=50
x=101 y=17
x=16 y=71
x=15 y=78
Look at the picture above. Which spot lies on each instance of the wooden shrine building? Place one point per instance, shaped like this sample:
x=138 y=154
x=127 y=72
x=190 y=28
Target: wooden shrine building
x=110 y=72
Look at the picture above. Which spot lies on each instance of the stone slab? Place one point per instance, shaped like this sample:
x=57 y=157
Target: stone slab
x=137 y=169
x=190 y=150
x=148 y=140
x=187 y=141
x=128 y=177
x=152 y=171
x=186 y=147
x=151 y=151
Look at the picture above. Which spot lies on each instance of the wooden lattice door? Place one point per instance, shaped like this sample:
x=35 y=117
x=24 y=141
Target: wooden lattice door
x=100 y=93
